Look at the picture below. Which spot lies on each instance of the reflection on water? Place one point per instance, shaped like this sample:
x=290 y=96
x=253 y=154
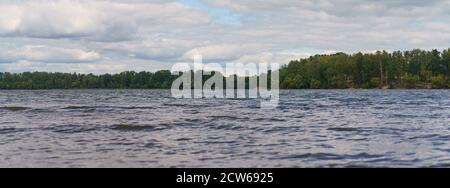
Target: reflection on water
x=148 y=128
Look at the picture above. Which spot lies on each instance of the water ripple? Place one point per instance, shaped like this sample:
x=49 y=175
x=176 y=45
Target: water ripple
x=149 y=128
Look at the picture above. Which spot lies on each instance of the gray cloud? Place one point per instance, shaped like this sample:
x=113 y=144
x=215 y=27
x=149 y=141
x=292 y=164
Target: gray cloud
x=117 y=35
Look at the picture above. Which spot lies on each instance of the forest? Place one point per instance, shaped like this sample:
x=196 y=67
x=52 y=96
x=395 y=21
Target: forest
x=124 y=80
x=415 y=69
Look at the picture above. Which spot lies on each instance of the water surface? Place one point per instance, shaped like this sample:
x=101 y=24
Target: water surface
x=148 y=128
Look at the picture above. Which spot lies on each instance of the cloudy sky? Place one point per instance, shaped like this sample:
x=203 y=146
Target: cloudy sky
x=102 y=36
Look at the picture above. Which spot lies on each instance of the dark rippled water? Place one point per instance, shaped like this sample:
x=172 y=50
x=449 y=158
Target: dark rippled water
x=148 y=128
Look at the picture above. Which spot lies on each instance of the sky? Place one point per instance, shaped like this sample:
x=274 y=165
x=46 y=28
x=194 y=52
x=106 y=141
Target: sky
x=110 y=36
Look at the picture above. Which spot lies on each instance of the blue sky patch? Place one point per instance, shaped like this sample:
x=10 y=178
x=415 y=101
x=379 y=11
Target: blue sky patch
x=220 y=15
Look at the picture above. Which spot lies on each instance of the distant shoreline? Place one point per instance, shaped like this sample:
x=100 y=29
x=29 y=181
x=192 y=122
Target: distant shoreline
x=416 y=69
x=372 y=89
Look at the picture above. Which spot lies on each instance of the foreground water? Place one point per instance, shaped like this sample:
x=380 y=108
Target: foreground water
x=148 y=128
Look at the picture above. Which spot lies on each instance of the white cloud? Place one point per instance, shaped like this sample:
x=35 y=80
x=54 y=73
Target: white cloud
x=9 y=18
x=220 y=52
x=151 y=48
x=47 y=54
x=92 y=19
x=22 y=66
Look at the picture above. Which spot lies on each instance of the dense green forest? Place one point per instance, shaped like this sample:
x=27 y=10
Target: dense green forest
x=410 y=69
x=124 y=80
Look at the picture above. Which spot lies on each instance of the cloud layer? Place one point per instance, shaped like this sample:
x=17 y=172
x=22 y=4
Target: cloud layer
x=113 y=35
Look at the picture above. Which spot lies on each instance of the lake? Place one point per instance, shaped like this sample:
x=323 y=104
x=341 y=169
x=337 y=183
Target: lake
x=149 y=128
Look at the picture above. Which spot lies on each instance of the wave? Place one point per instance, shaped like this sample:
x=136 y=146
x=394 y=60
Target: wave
x=273 y=119
x=227 y=117
x=328 y=156
x=344 y=129
x=10 y=130
x=78 y=107
x=131 y=128
x=113 y=107
x=14 y=108
x=71 y=129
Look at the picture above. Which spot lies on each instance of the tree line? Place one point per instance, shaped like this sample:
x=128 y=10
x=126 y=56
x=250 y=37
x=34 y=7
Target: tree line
x=418 y=69
x=409 y=69
x=125 y=80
